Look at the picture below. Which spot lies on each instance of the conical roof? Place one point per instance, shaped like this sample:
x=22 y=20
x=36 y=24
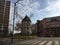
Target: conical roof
x=26 y=18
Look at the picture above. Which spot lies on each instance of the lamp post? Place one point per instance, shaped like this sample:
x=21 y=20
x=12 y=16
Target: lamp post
x=14 y=18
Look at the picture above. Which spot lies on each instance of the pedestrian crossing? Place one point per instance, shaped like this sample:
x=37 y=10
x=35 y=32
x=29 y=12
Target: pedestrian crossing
x=56 y=42
x=49 y=43
x=41 y=42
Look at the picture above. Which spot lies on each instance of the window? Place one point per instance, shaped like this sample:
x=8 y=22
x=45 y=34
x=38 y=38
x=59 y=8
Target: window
x=48 y=20
x=58 y=19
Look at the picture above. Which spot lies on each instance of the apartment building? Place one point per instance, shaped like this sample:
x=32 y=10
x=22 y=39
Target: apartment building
x=4 y=16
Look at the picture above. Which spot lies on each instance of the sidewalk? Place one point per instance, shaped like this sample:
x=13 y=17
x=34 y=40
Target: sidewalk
x=7 y=41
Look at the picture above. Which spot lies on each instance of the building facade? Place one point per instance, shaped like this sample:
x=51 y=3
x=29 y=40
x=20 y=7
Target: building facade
x=4 y=16
x=34 y=29
x=50 y=27
x=26 y=26
x=39 y=28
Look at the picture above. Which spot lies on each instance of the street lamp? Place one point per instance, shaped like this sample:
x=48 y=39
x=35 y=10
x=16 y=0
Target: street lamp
x=14 y=18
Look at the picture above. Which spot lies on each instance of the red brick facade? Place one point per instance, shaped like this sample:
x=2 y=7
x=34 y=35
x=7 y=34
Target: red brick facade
x=50 y=27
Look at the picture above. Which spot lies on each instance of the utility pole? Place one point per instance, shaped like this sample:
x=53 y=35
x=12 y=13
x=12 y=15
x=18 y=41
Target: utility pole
x=14 y=18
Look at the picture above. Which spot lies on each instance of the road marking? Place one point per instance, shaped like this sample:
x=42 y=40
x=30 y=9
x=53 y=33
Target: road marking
x=49 y=43
x=32 y=42
x=56 y=42
x=42 y=42
x=25 y=41
x=28 y=42
x=37 y=42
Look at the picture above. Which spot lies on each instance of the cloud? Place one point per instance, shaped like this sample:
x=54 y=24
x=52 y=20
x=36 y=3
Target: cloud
x=39 y=8
x=8 y=0
x=54 y=8
x=43 y=4
x=27 y=8
x=35 y=6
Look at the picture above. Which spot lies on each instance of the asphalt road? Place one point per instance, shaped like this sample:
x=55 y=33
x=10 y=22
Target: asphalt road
x=40 y=41
x=37 y=41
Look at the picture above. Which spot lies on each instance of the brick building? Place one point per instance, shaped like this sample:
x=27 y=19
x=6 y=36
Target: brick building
x=34 y=29
x=4 y=16
x=50 y=27
x=39 y=28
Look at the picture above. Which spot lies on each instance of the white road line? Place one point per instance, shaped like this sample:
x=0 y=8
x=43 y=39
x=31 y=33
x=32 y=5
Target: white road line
x=42 y=42
x=49 y=43
x=32 y=41
x=37 y=42
x=25 y=42
x=56 y=42
x=28 y=42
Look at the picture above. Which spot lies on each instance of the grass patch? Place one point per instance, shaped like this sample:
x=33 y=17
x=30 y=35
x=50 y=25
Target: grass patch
x=25 y=37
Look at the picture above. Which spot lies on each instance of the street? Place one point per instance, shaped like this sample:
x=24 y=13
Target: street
x=40 y=41
x=37 y=41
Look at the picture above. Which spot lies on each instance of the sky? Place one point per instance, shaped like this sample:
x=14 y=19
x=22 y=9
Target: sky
x=36 y=9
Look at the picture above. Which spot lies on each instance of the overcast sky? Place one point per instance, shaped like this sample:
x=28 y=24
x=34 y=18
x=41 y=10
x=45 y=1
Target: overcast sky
x=38 y=8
